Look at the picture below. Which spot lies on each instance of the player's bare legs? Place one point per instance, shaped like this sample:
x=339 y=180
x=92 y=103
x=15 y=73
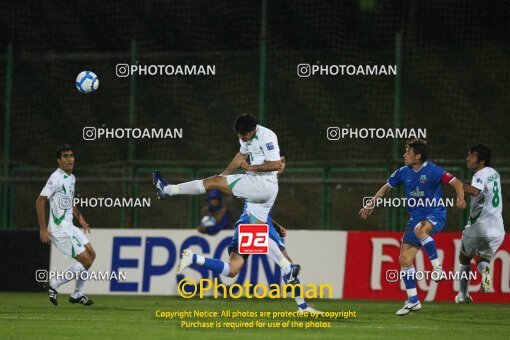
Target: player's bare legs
x=407 y=255
x=422 y=232
x=90 y=251
x=85 y=259
x=236 y=263
x=217 y=182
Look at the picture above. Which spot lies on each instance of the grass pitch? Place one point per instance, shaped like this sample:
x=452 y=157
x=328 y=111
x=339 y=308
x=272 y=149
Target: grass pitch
x=31 y=315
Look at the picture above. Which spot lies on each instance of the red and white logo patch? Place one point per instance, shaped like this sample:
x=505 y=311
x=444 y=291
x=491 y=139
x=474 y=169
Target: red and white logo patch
x=253 y=239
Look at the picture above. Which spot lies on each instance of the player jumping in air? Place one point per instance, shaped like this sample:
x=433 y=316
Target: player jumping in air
x=422 y=181
x=484 y=233
x=258 y=186
x=70 y=240
x=276 y=233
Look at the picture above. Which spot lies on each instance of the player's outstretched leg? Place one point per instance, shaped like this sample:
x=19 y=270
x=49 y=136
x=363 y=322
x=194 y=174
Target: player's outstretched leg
x=160 y=184
x=196 y=187
x=188 y=257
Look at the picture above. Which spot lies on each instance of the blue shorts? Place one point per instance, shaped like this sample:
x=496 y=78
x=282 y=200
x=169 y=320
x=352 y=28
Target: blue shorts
x=245 y=219
x=438 y=222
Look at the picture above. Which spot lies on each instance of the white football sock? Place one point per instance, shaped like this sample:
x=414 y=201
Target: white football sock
x=200 y=260
x=464 y=279
x=68 y=274
x=80 y=281
x=277 y=256
x=188 y=188
x=226 y=269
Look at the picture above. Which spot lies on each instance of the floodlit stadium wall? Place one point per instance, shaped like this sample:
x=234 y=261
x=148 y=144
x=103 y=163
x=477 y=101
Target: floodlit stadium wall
x=358 y=265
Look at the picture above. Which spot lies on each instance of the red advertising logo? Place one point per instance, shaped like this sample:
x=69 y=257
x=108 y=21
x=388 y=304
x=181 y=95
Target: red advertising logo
x=253 y=239
x=375 y=274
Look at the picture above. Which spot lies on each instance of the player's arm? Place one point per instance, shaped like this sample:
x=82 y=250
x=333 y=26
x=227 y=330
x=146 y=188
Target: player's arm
x=234 y=165
x=264 y=167
x=470 y=190
x=459 y=189
x=44 y=234
x=367 y=209
x=81 y=219
x=279 y=228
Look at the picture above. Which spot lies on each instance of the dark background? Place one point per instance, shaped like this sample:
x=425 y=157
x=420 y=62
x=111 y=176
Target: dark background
x=455 y=75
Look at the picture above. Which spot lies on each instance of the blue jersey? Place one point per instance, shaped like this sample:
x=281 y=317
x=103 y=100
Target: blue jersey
x=245 y=219
x=423 y=188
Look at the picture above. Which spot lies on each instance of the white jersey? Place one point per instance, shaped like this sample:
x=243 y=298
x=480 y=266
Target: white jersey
x=60 y=192
x=261 y=148
x=486 y=210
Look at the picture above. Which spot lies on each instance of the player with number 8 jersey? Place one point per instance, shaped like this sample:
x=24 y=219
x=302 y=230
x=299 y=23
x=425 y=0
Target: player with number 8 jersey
x=484 y=232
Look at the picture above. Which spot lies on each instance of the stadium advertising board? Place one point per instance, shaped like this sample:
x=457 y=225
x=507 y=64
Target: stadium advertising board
x=148 y=258
x=361 y=265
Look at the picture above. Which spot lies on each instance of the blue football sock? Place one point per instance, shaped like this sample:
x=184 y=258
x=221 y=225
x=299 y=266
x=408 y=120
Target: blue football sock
x=304 y=305
x=430 y=249
x=214 y=265
x=408 y=275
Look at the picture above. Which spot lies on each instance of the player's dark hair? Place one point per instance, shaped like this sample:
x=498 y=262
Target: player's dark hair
x=419 y=147
x=284 y=154
x=63 y=147
x=483 y=152
x=245 y=123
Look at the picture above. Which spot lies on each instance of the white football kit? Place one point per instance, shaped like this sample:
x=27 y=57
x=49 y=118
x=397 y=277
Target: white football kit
x=59 y=189
x=484 y=232
x=258 y=188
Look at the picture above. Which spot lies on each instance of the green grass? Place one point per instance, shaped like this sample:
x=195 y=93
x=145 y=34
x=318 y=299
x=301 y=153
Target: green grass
x=31 y=315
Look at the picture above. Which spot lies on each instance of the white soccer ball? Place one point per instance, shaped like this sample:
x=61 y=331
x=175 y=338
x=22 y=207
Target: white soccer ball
x=87 y=82
x=208 y=221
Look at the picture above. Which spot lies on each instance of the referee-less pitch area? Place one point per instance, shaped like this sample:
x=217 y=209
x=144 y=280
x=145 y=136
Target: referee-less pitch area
x=25 y=315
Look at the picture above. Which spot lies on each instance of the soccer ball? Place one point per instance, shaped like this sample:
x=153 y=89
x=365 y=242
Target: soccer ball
x=87 y=82
x=208 y=221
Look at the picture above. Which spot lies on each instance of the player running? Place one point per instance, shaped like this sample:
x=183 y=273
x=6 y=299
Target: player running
x=70 y=240
x=484 y=233
x=422 y=181
x=259 y=186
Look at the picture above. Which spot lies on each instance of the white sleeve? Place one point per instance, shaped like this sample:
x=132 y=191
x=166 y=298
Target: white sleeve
x=478 y=181
x=243 y=149
x=51 y=187
x=271 y=148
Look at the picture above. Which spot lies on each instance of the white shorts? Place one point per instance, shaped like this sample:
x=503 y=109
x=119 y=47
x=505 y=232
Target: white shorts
x=259 y=191
x=484 y=247
x=69 y=239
